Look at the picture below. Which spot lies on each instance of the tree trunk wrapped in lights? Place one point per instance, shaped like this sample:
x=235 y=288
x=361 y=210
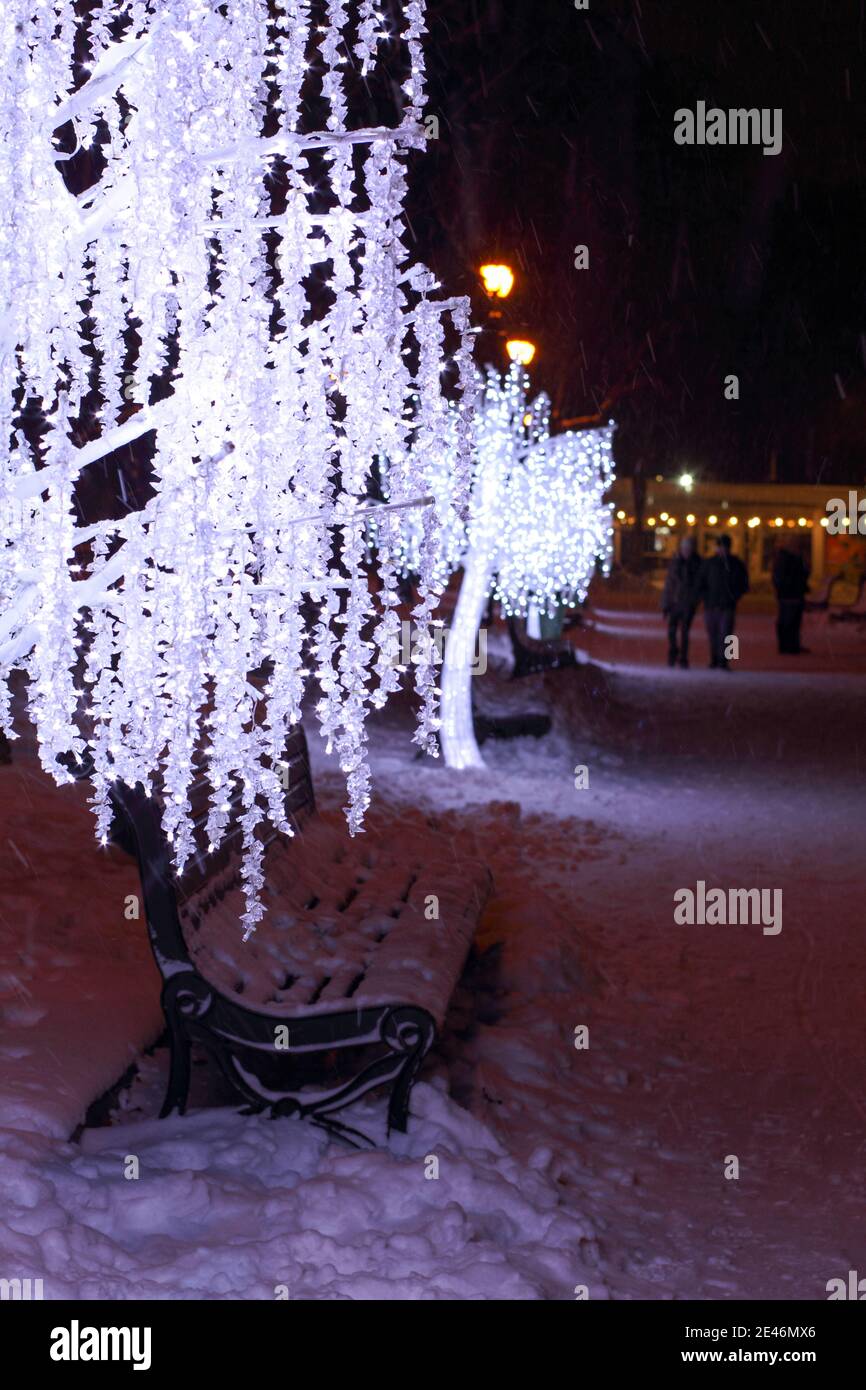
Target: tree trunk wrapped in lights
x=232 y=284
x=537 y=525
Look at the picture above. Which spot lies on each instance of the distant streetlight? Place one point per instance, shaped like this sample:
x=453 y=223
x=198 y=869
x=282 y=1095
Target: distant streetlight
x=687 y=481
x=521 y=351
x=498 y=280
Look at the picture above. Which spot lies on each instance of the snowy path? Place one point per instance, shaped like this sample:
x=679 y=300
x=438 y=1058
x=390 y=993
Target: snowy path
x=705 y=1041
x=557 y=1167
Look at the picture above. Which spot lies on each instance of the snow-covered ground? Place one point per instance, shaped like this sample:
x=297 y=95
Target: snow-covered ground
x=558 y=1167
x=79 y=991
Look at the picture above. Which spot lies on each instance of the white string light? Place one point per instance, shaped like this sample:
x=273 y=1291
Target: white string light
x=537 y=527
x=139 y=637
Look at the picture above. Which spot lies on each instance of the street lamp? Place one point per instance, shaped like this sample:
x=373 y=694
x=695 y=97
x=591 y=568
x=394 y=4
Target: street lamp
x=521 y=351
x=687 y=481
x=498 y=280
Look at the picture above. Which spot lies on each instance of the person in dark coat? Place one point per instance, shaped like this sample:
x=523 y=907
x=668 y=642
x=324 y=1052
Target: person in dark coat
x=680 y=600
x=723 y=581
x=791 y=582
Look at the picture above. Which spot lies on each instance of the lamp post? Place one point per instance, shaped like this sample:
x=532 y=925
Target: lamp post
x=498 y=280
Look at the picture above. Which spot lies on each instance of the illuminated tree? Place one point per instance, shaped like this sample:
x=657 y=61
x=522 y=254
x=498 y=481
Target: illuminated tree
x=251 y=265
x=537 y=526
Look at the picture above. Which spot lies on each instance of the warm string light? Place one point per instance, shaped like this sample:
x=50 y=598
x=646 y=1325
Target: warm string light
x=139 y=636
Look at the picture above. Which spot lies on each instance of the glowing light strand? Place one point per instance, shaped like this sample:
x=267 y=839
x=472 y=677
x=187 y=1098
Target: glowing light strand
x=537 y=526
x=140 y=637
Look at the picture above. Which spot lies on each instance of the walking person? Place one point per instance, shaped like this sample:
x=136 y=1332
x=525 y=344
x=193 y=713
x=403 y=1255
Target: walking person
x=723 y=581
x=680 y=600
x=791 y=582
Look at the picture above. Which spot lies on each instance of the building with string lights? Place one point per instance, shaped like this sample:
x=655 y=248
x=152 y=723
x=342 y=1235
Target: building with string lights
x=755 y=515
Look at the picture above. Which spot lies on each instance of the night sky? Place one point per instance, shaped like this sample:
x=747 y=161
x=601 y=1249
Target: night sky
x=556 y=129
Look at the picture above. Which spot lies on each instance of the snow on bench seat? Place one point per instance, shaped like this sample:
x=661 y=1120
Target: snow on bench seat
x=329 y=940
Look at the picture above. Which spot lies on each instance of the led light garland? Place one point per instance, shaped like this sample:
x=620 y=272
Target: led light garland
x=139 y=636
x=537 y=526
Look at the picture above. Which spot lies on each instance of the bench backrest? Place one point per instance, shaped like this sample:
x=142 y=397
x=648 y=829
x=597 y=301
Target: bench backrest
x=206 y=877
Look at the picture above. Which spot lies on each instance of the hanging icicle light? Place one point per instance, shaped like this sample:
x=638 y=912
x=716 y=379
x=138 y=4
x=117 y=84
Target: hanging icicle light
x=140 y=636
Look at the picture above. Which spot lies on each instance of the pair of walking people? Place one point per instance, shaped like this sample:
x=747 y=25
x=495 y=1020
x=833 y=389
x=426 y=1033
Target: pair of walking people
x=718 y=582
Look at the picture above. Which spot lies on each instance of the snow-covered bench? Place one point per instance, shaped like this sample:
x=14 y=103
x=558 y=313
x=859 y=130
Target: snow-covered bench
x=344 y=983
x=819 y=601
x=533 y=655
x=851 y=612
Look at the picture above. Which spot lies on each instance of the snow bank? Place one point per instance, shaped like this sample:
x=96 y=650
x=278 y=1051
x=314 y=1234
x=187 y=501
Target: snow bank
x=228 y=1206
